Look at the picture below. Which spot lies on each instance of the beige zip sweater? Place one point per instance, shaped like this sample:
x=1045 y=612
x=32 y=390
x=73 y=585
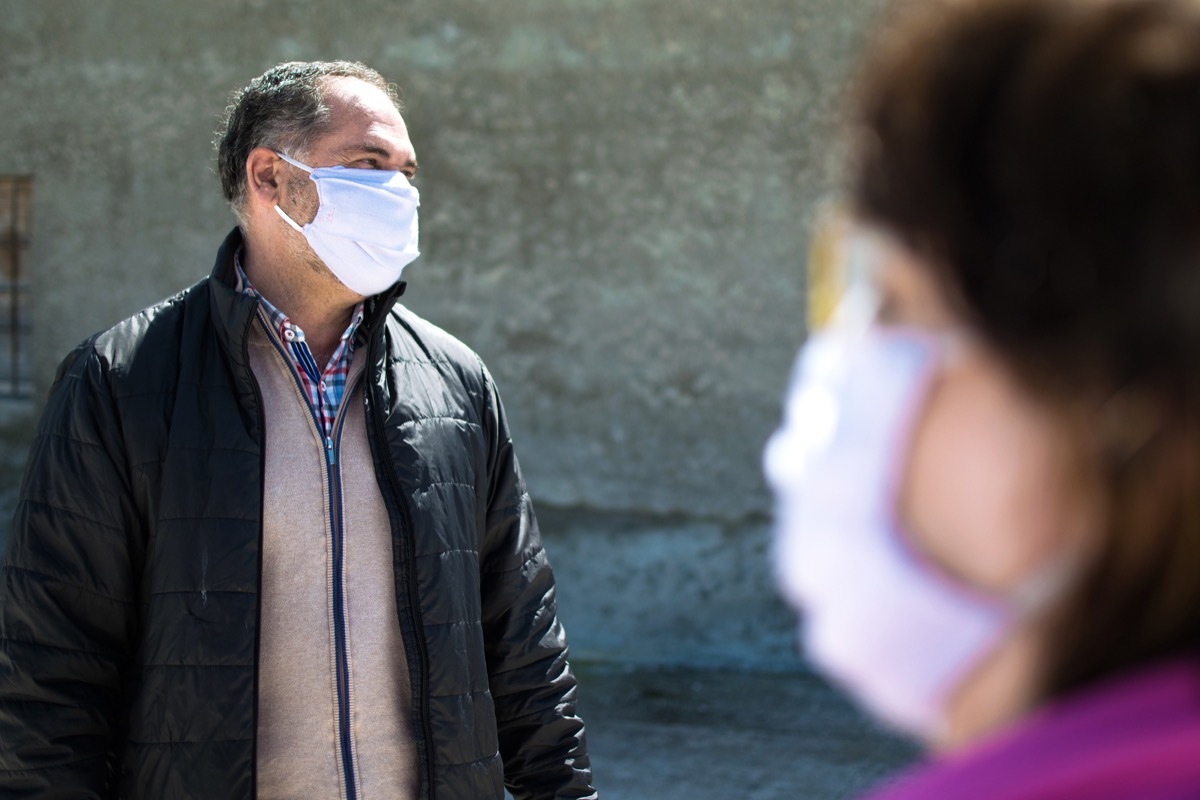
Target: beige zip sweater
x=299 y=750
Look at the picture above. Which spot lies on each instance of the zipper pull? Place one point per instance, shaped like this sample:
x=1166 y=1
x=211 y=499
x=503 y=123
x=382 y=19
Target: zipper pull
x=329 y=451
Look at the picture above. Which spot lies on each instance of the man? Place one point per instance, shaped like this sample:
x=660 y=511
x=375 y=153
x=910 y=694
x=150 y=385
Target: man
x=273 y=540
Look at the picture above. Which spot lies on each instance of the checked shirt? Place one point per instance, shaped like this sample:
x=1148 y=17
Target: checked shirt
x=324 y=389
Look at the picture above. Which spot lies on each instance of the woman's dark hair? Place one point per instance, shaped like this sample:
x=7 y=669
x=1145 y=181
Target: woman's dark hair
x=1043 y=158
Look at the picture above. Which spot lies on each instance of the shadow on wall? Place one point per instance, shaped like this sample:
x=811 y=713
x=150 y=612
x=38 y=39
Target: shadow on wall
x=639 y=588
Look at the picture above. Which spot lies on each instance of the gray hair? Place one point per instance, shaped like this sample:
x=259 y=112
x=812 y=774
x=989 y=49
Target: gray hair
x=283 y=109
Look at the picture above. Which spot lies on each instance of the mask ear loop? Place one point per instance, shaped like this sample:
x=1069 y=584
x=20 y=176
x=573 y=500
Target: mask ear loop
x=294 y=162
x=1055 y=580
x=1050 y=583
x=288 y=219
x=279 y=210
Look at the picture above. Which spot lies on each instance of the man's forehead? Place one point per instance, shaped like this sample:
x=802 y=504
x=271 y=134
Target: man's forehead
x=364 y=120
x=358 y=95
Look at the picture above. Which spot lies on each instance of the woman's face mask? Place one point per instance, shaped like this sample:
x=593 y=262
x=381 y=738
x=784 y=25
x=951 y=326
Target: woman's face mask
x=878 y=618
x=883 y=613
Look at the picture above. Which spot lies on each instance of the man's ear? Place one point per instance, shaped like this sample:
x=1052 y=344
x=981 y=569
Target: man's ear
x=264 y=177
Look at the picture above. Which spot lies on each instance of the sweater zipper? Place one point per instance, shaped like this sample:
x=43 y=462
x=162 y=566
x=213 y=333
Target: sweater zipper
x=333 y=486
x=332 y=444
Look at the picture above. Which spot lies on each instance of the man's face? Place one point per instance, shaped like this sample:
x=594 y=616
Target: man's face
x=366 y=132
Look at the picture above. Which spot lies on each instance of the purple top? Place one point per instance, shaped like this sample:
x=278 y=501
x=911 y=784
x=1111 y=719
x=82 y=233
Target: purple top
x=1135 y=737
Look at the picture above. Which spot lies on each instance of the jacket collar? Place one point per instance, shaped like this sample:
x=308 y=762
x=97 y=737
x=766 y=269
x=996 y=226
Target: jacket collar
x=233 y=310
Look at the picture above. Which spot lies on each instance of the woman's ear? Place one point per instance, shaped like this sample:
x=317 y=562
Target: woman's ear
x=1125 y=422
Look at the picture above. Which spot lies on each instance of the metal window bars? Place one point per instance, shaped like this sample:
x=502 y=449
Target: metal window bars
x=16 y=196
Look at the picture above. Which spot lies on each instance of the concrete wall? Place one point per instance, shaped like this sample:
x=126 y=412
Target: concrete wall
x=615 y=196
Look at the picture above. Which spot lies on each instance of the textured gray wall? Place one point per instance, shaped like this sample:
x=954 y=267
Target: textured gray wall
x=614 y=206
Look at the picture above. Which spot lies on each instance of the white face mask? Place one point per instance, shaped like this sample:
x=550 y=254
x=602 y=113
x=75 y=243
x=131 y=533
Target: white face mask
x=880 y=619
x=365 y=229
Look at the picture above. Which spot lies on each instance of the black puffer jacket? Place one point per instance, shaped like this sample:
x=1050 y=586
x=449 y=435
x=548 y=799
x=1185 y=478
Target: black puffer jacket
x=128 y=624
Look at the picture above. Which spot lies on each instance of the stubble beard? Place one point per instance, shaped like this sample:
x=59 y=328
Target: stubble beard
x=304 y=193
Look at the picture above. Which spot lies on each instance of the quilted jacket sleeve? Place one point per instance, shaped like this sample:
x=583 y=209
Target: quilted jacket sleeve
x=542 y=740
x=66 y=607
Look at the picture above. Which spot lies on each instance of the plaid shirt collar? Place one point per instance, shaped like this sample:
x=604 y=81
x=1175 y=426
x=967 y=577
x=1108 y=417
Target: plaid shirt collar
x=324 y=389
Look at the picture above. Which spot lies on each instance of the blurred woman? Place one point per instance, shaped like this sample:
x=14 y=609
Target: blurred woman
x=988 y=475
